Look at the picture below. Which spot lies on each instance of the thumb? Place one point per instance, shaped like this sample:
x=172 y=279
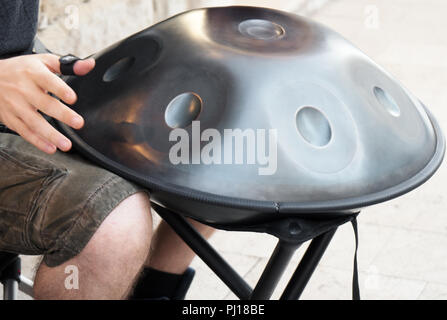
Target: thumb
x=82 y=67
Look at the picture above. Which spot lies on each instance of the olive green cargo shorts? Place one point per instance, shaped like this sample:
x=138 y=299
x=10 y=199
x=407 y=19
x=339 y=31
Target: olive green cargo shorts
x=52 y=204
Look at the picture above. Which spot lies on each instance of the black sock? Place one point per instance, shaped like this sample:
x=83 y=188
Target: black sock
x=155 y=284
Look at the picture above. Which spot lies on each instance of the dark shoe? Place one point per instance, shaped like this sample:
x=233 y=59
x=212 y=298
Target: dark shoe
x=158 y=285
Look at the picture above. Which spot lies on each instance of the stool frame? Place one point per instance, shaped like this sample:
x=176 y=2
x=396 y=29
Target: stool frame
x=288 y=242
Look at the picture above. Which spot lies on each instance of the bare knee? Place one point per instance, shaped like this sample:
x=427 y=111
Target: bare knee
x=126 y=232
x=110 y=261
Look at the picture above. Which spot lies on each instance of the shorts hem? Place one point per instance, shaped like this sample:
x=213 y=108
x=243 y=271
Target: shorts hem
x=96 y=209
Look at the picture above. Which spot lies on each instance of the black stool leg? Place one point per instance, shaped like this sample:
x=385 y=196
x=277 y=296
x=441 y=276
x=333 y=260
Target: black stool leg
x=10 y=289
x=274 y=270
x=207 y=253
x=307 y=266
x=10 y=278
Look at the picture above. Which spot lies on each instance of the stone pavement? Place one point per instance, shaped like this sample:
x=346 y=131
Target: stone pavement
x=403 y=242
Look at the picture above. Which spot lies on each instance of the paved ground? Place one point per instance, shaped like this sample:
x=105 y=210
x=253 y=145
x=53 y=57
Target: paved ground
x=403 y=242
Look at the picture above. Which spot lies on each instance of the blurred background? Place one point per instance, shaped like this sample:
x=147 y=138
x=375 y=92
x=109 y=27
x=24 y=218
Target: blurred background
x=403 y=242
x=87 y=26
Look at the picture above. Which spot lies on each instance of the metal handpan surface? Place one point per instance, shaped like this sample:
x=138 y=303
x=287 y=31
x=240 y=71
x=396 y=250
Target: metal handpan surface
x=347 y=133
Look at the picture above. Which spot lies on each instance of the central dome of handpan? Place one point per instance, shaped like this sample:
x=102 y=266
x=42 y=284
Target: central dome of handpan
x=256 y=110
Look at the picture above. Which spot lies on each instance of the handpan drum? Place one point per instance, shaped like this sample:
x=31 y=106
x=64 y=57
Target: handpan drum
x=243 y=114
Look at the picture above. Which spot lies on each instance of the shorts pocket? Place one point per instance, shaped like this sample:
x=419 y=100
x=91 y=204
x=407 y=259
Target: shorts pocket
x=26 y=181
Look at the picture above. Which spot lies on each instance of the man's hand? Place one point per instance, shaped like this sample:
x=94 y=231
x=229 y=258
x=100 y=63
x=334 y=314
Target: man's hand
x=25 y=82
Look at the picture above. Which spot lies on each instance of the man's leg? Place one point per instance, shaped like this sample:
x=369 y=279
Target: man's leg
x=166 y=273
x=110 y=262
x=166 y=242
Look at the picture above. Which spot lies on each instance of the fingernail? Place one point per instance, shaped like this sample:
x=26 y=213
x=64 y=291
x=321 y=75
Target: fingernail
x=77 y=122
x=64 y=144
x=71 y=95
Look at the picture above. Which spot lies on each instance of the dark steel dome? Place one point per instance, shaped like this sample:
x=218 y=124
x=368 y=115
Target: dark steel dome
x=234 y=114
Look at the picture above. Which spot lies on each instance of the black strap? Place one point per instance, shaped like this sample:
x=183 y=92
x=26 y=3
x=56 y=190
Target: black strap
x=67 y=64
x=355 y=277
